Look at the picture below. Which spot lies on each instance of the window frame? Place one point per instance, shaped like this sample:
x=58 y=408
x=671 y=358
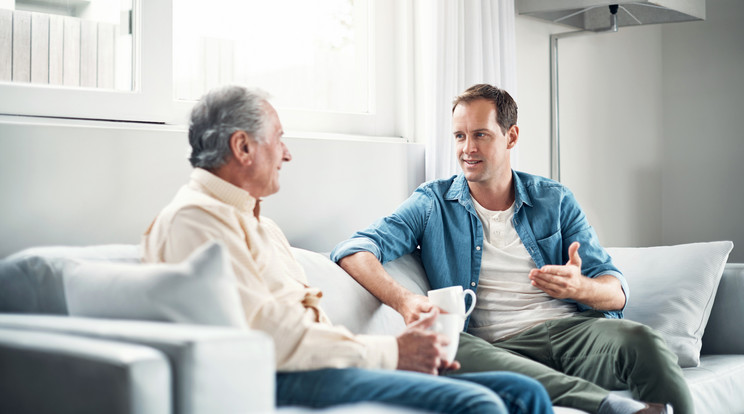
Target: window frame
x=152 y=98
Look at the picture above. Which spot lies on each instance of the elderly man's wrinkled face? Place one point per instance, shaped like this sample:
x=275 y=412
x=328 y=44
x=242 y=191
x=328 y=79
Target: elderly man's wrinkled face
x=270 y=155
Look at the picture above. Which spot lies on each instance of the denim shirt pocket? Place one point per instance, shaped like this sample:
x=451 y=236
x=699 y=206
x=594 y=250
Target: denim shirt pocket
x=551 y=247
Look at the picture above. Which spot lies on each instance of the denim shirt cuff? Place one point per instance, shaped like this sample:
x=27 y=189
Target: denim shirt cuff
x=623 y=284
x=355 y=245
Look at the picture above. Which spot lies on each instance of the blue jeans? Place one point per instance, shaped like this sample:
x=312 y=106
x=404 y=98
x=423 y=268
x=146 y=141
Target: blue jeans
x=474 y=393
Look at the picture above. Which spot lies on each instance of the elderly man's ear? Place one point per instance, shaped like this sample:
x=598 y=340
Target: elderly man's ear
x=242 y=147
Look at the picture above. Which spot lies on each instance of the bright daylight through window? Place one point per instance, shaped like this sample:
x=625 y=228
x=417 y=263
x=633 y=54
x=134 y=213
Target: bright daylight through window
x=329 y=65
x=310 y=55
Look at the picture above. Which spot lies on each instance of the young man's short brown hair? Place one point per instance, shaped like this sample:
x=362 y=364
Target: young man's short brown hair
x=506 y=108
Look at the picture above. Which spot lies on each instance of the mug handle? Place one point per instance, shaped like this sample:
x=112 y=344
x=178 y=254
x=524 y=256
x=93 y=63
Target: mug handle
x=472 y=302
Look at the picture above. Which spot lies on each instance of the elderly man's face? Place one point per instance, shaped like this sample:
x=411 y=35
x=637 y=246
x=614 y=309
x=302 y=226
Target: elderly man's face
x=270 y=155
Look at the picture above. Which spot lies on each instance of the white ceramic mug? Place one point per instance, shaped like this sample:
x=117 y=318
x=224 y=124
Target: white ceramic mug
x=452 y=300
x=450 y=325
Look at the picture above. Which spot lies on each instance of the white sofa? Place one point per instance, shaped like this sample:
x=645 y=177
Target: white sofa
x=85 y=329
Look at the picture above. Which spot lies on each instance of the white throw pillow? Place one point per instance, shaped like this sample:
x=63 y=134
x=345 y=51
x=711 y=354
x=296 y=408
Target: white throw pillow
x=123 y=253
x=31 y=280
x=672 y=289
x=199 y=290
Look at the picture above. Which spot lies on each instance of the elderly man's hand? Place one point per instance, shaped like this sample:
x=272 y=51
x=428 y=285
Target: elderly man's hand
x=561 y=282
x=422 y=350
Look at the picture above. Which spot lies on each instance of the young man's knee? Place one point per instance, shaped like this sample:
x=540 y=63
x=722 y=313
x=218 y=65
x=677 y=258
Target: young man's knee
x=641 y=337
x=645 y=345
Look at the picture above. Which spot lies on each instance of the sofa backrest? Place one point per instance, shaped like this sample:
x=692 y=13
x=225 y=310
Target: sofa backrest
x=724 y=334
x=31 y=280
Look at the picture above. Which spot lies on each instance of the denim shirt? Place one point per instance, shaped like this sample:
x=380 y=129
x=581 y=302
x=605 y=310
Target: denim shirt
x=439 y=221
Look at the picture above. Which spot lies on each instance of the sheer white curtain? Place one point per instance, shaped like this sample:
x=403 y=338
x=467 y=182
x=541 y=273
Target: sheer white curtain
x=456 y=44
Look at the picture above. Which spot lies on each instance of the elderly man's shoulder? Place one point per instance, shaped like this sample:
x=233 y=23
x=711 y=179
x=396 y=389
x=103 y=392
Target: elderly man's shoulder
x=191 y=204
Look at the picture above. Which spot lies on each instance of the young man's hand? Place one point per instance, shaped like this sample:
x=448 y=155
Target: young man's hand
x=413 y=306
x=561 y=281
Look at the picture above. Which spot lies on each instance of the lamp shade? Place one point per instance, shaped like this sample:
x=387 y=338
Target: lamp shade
x=595 y=14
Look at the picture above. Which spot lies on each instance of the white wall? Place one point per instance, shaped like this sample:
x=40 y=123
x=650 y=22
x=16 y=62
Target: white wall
x=610 y=107
x=72 y=184
x=703 y=139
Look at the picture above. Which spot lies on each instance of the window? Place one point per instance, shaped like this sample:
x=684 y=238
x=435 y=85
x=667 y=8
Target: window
x=73 y=43
x=310 y=54
x=328 y=64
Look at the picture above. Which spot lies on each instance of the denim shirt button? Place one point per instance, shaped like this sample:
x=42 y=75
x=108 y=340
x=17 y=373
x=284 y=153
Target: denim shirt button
x=472 y=284
x=477 y=247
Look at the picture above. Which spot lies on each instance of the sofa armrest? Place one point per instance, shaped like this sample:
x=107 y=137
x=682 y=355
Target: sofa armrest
x=43 y=372
x=215 y=369
x=724 y=334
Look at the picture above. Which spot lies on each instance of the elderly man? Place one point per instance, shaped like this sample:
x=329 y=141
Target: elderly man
x=549 y=298
x=237 y=152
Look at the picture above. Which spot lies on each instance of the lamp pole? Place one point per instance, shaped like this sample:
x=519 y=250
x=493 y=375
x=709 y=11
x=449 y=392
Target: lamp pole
x=555 y=138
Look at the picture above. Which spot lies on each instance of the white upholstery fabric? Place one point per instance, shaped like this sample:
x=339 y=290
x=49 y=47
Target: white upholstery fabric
x=344 y=300
x=31 y=279
x=200 y=290
x=126 y=253
x=408 y=271
x=348 y=304
x=215 y=369
x=45 y=372
x=717 y=384
x=672 y=289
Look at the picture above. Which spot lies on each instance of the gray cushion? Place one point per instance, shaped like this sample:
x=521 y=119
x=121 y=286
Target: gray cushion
x=724 y=333
x=214 y=369
x=45 y=372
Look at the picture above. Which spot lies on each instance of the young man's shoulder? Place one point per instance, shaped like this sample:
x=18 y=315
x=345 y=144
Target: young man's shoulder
x=537 y=183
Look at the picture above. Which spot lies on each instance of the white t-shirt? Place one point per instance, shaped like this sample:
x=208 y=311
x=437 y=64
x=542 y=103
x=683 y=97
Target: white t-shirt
x=507 y=303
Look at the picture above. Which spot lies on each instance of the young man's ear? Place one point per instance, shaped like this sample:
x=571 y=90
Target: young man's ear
x=512 y=136
x=242 y=147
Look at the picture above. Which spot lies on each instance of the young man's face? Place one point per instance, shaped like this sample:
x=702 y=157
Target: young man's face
x=481 y=148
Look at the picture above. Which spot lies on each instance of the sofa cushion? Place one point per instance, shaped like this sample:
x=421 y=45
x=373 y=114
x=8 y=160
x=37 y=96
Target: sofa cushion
x=125 y=253
x=213 y=369
x=31 y=279
x=344 y=300
x=672 y=289
x=200 y=290
x=46 y=372
x=716 y=385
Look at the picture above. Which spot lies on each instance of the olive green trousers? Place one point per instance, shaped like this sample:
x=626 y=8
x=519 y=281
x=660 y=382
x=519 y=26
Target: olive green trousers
x=578 y=359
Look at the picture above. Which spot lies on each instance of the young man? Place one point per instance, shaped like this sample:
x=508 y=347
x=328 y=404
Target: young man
x=237 y=152
x=549 y=298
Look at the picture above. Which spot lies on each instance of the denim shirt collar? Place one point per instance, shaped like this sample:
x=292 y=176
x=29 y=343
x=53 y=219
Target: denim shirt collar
x=460 y=191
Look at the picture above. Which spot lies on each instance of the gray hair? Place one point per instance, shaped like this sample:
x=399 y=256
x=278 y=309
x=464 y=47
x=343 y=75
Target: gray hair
x=217 y=115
